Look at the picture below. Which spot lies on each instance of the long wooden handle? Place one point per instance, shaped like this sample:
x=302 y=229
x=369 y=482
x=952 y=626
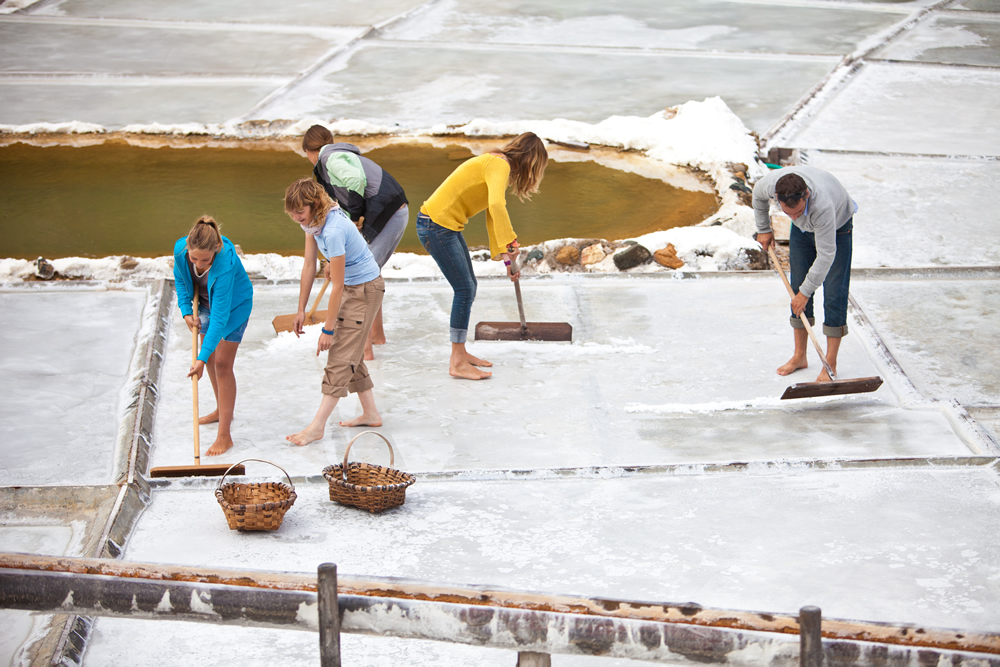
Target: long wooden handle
x=517 y=291
x=802 y=317
x=319 y=297
x=194 y=379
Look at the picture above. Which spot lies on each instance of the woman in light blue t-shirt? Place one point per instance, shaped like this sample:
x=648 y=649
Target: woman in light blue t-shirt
x=356 y=296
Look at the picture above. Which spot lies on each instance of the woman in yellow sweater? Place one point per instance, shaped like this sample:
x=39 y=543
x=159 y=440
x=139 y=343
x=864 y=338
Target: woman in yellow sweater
x=478 y=184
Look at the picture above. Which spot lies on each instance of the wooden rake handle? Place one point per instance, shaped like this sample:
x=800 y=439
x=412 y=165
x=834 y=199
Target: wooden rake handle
x=319 y=297
x=194 y=378
x=802 y=318
x=517 y=291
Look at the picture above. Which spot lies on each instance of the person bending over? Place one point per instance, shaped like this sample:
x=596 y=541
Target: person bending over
x=479 y=183
x=819 y=245
x=368 y=193
x=225 y=298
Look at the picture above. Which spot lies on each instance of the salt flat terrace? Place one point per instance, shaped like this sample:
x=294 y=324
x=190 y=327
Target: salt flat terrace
x=651 y=458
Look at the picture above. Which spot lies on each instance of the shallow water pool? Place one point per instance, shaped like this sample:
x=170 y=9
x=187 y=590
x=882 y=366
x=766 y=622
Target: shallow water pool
x=113 y=197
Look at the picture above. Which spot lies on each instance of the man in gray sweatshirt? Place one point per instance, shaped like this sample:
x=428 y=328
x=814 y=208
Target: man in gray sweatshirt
x=822 y=214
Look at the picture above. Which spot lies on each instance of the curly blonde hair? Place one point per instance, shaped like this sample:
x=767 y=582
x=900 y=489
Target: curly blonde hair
x=307 y=192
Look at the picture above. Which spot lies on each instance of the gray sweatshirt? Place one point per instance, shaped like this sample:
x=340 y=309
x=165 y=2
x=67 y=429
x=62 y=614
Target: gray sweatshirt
x=829 y=207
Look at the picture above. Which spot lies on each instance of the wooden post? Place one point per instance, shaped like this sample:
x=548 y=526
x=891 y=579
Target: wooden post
x=329 y=616
x=530 y=659
x=810 y=637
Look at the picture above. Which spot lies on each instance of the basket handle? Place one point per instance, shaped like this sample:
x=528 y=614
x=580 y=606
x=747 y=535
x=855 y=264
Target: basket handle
x=392 y=456
x=259 y=461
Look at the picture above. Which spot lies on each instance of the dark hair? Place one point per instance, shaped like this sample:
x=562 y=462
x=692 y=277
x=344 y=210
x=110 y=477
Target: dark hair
x=316 y=137
x=205 y=235
x=790 y=188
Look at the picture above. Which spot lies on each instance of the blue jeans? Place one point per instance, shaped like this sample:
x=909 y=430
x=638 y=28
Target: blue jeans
x=205 y=317
x=449 y=250
x=836 y=286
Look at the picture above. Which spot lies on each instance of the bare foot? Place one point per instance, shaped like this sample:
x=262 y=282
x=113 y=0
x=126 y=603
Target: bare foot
x=825 y=377
x=221 y=445
x=378 y=340
x=305 y=436
x=369 y=353
x=476 y=361
x=464 y=369
x=210 y=418
x=364 y=420
x=793 y=364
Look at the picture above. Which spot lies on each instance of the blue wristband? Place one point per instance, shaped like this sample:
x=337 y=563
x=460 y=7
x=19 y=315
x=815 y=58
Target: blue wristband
x=328 y=333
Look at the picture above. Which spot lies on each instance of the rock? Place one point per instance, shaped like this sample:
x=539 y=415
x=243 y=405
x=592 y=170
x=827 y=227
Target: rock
x=239 y=250
x=568 y=255
x=536 y=255
x=127 y=263
x=739 y=186
x=668 y=257
x=592 y=254
x=43 y=269
x=634 y=256
x=756 y=259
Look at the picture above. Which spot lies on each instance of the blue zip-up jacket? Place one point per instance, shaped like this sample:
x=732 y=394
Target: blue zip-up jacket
x=230 y=293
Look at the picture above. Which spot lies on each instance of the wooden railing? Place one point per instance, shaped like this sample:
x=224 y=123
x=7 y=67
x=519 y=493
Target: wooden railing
x=534 y=625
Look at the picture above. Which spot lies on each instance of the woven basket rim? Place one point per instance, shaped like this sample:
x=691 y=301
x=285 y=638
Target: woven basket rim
x=329 y=474
x=286 y=503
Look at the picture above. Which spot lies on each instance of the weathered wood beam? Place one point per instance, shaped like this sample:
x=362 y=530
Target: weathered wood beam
x=397 y=592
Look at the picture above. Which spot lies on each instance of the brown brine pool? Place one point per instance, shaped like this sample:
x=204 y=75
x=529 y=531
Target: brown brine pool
x=117 y=198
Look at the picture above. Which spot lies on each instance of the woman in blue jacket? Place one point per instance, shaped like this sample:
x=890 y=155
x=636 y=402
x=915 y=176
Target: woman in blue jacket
x=225 y=298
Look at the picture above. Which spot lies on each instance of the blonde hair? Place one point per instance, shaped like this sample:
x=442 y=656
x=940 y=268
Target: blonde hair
x=316 y=137
x=527 y=157
x=307 y=192
x=205 y=235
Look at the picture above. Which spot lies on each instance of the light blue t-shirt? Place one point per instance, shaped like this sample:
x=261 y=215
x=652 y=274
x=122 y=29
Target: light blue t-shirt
x=339 y=237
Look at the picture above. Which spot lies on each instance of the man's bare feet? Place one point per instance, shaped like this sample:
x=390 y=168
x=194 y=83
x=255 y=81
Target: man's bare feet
x=378 y=340
x=221 y=445
x=305 y=436
x=793 y=364
x=364 y=420
x=825 y=377
x=369 y=353
x=210 y=418
x=465 y=369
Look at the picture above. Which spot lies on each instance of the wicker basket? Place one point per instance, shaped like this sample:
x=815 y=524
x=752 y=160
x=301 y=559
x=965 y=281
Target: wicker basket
x=259 y=506
x=370 y=487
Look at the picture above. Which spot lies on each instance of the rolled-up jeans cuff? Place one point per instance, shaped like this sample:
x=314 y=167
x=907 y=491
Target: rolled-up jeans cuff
x=835 y=332
x=797 y=323
x=459 y=335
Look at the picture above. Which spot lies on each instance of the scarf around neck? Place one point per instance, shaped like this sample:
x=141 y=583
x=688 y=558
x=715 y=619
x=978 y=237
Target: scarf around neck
x=312 y=231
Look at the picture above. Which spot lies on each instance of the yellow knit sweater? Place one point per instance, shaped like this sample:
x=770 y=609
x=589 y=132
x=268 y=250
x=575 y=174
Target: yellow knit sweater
x=479 y=183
